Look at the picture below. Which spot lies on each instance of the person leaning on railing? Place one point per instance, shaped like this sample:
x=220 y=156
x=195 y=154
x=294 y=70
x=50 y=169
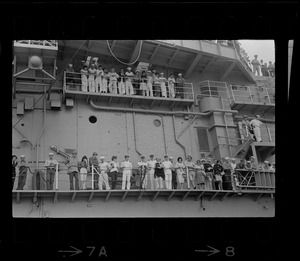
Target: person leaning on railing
x=179 y=87
x=191 y=170
x=174 y=178
x=179 y=168
x=84 y=81
x=113 y=171
x=156 y=84
x=14 y=165
x=83 y=167
x=93 y=162
x=227 y=176
x=218 y=171
x=200 y=174
x=22 y=173
x=72 y=164
x=50 y=165
x=209 y=173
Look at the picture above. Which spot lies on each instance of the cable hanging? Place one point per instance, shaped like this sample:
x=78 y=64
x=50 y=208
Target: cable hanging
x=120 y=60
x=49 y=86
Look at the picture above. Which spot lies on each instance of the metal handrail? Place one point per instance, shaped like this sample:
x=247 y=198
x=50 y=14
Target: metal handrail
x=48 y=43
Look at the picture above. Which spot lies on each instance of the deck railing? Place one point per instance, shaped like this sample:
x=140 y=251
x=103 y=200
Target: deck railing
x=53 y=44
x=252 y=94
x=242 y=179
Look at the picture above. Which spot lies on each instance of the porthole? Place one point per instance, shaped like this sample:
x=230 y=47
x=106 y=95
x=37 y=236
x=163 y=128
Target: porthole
x=157 y=123
x=92 y=119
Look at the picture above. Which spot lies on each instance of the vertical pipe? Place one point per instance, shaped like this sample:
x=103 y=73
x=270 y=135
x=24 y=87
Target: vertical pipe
x=126 y=132
x=56 y=177
x=164 y=135
x=134 y=135
x=92 y=177
x=43 y=128
x=174 y=128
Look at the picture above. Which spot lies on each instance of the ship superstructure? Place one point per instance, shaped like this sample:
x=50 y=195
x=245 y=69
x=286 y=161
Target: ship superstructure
x=51 y=113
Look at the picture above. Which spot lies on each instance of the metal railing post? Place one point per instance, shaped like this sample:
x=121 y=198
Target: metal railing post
x=250 y=93
x=232 y=93
x=56 y=177
x=187 y=176
x=209 y=88
x=268 y=95
x=92 y=177
x=269 y=133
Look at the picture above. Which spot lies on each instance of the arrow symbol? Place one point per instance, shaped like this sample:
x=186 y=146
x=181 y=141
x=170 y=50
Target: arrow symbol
x=212 y=251
x=78 y=251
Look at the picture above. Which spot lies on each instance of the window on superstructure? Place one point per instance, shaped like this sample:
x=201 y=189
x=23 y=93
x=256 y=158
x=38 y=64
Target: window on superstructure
x=202 y=139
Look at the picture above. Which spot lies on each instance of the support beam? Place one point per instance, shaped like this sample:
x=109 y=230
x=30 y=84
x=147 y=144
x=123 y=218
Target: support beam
x=91 y=196
x=131 y=102
x=73 y=196
x=152 y=103
x=214 y=195
x=109 y=101
x=259 y=196
x=171 y=195
x=226 y=194
x=173 y=56
x=55 y=197
x=18 y=197
x=228 y=71
x=154 y=52
x=155 y=196
x=124 y=196
x=193 y=65
x=107 y=196
x=140 y=195
x=135 y=51
x=208 y=64
x=200 y=195
x=185 y=195
x=172 y=105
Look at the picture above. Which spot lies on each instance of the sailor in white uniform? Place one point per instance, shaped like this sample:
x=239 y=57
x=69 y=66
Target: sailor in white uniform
x=151 y=168
x=163 y=87
x=128 y=84
x=113 y=76
x=167 y=165
x=126 y=166
x=84 y=81
x=256 y=127
x=103 y=168
x=92 y=73
x=99 y=75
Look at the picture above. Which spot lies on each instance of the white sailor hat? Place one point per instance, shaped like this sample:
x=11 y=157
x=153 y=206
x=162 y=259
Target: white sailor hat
x=179 y=73
x=170 y=157
x=126 y=155
x=102 y=157
x=257 y=116
x=266 y=162
x=51 y=153
x=161 y=73
x=203 y=160
x=149 y=71
x=227 y=158
x=70 y=64
x=22 y=156
x=128 y=68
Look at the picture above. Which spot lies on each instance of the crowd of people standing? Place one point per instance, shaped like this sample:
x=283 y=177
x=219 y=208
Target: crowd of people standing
x=97 y=79
x=205 y=174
